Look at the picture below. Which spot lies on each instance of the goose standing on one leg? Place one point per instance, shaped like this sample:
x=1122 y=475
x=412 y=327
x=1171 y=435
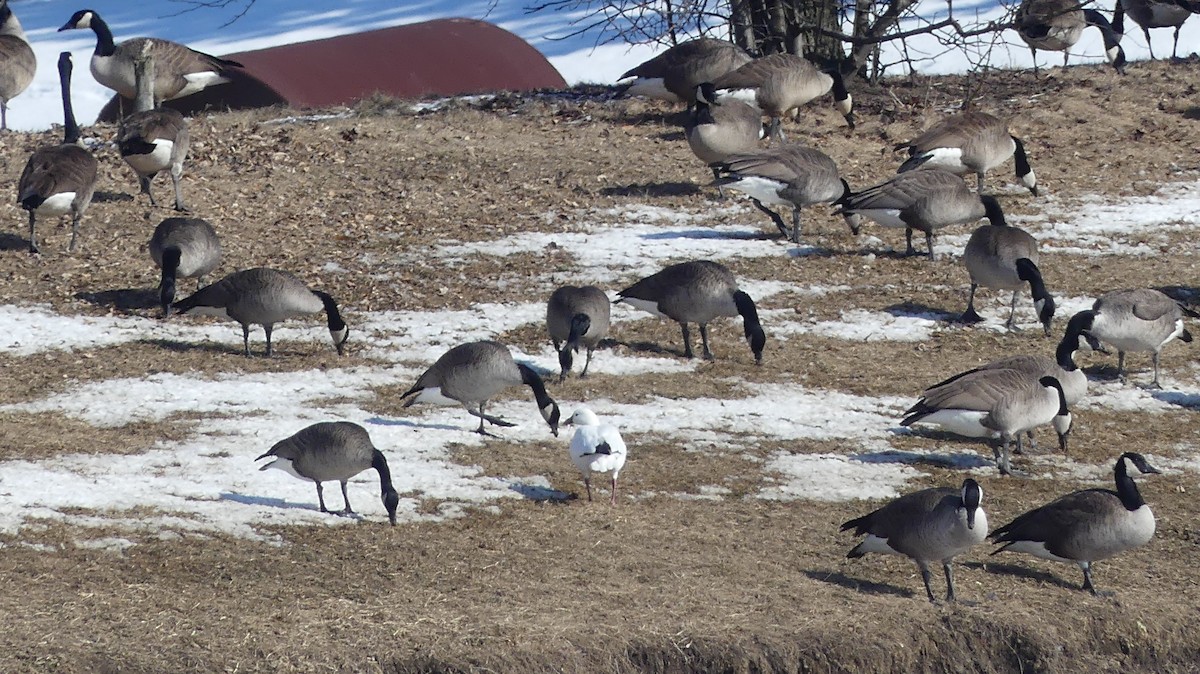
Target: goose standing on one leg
x=577 y=317
x=969 y=142
x=928 y=526
x=183 y=248
x=61 y=179
x=1140 y=320
x=472 y=374
x=786 y=175
x=719 y=128
x=926 y=201
x=1085 y=526
x=334 y=450
x=179 y=71
x=153 y=140
x=1003 y=257
x=262 y=296
x=596 y=448
x=17 y=61
x=697 y=292
x=780 y=83
x=1003 y=403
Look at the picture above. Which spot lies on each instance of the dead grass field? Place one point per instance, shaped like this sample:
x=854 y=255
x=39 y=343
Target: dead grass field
x=661 y=583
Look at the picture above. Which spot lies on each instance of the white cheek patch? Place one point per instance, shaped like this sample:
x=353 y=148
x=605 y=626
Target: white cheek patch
x=1029 y=180
x=846 y=106
x=1112 y=53
x=1062 y=423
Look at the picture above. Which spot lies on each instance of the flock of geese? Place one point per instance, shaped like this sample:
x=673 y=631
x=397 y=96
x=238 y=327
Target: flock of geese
x=728 y=93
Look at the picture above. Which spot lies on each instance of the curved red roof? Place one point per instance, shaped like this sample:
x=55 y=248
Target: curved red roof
x=445 y=57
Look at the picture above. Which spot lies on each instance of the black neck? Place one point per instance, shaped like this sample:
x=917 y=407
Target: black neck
x=750 y=325
x=1021 y=160
x=379 y=463
x=533 y=381
x=840 y=93
x=170 y=268
x=1028 y=271
x=71 y=131
x=1064 y=354
x=336 y=324
x=104 y=36
x=1127 y=490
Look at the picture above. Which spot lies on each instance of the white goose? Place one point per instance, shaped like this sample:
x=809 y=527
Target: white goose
x=596 y=448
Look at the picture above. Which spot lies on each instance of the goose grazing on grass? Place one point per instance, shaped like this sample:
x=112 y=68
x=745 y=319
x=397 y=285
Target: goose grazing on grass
x=1005 y=258
x=61 y=179
x=17 y=61
x=781 y=83
x=1085 y=526
x=333 y=450
x=596 y=448
x=719 y=128
x=785 y=175
x=1154 y=14
x=1056 y=25
x=928 y=526
x=969 y=142
x=179 y=71
x=153 y=140
x=983 y=386
x=472 y=374
x=697 y=292
x=265 y=297
x=575 y=318
x=183 y=248
x=1140 y=320
x=926 y=201
x=674 y=74
x=1004 y=403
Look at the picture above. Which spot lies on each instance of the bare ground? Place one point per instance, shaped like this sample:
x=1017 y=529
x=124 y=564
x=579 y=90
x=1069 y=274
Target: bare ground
x=659 y=584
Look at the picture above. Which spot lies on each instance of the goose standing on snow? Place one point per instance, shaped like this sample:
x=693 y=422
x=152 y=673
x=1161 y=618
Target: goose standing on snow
x=785 y=175
x=60 y=179
x=719 y=128
x=1004 y=403
x=183 y=248
x=1140 y=320
x=153 y=139
x=576 y=317
x=674 y=74
x=179 y=70
x=596 y=448
x=969 y=142
x=928 y=526
x=17 y=61
x=697 y=292
x=926 y=201
x=1085 y=526
x=1005 y=258
x=982 y=387
x=472 y=374
x=262 y=296
x=780 y=83
x=334 y=450
x=1056 y=25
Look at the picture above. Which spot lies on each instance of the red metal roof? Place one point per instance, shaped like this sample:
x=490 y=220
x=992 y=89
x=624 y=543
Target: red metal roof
x=444 y=57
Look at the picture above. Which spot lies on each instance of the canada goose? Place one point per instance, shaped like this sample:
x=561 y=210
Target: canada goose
x=596 y=448
x=1153 y=14
x=969 y=142
x=1138 y=320
x=785 y=175
x=931 y=525
x=719 y=128
x=983 y=387
x=262 y=296
x=179 y=71
x=1056 y=25
x=153 y=139
x=334 y=450
x=17 y=61
x=1000 y=402
x=183 y=248
x=60 y=179
x=576 y=317
x=674 y=74
x=697 y=292
x=1005 y=258
x=471 y=374
x=779 y=83
x=923 y=200
x=1085 y=526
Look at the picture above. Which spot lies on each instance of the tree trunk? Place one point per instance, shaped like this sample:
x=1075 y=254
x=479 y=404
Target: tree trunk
x=788 y=26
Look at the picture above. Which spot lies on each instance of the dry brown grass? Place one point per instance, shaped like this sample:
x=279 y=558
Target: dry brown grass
x=661 y=583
